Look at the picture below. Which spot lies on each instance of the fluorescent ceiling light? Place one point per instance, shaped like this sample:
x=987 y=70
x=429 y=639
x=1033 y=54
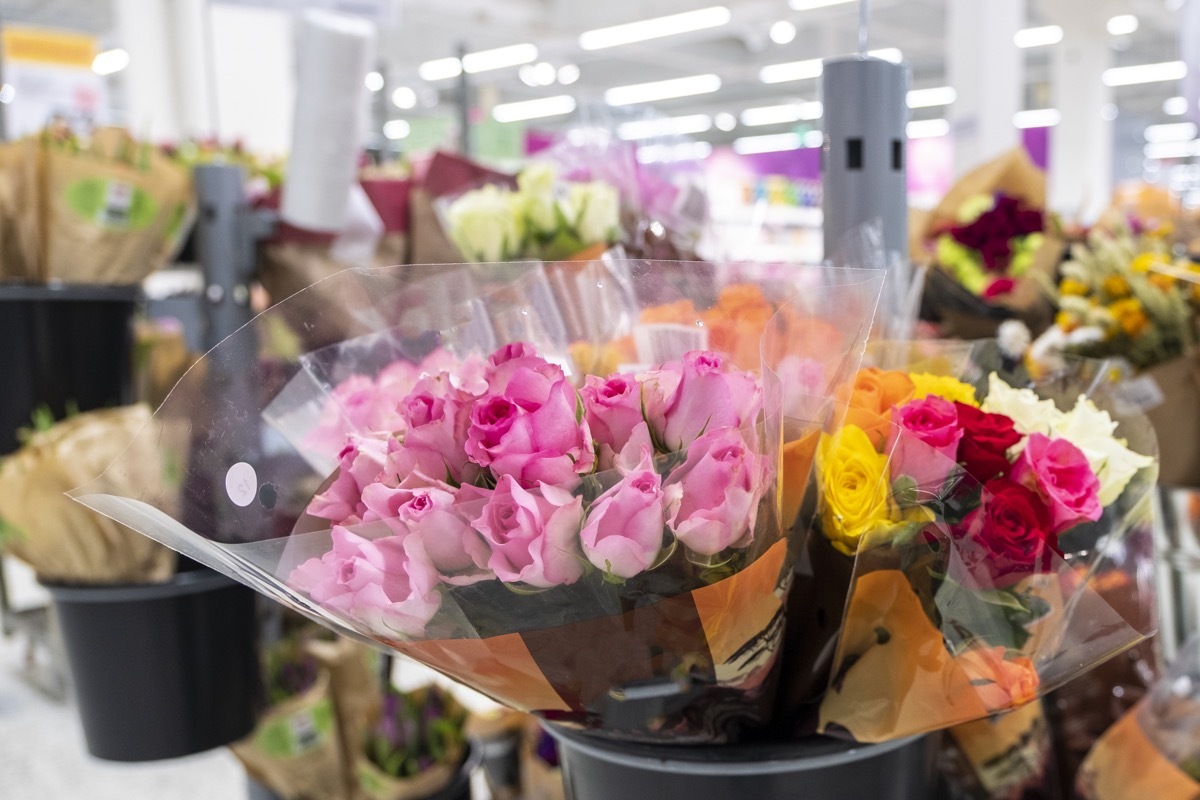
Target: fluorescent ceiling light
x=656 y=28
x=668 y=126
x=781 y=115
x=1038 y=37
x=568 y=74
x=1037 y=118
x=891 y=54
x=373 y=81
x=725 y=121
x=662 y=90
x=791 y=71
x=534 y=109
x=396 y=129
x=404 y=97
x=1172 y=149
x=110 y=61
x=440 y=69
x=1175 y=106
x=1122 y=24
x=7 y=93
x=499 y=58
x=813 y=139
x=782 y=32
x=928 y=98
x=1145 y=73
x=683 y=151
x=773 y=143
x=807 y=5
x=927 y=128
x=1171 y=132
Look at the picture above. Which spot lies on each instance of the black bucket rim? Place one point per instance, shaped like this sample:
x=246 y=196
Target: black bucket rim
x=181 y=583
x=70 y=292
x=764 y=759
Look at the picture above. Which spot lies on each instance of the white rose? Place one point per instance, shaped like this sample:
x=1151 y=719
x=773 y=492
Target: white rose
x=535 y=185
x=484 y=226
x=1092 y=430
x=1029 y=413
x=597 y=211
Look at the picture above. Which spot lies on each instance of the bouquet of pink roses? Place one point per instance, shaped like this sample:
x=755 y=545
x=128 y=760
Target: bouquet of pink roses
x=604 y=550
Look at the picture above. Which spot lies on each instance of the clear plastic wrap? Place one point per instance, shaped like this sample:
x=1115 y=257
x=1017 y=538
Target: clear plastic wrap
x=944 y=579
x=670 y=637
x=1154 y=750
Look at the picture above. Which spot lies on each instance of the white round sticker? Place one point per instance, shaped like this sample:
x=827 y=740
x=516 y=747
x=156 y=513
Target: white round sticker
x=241 y=484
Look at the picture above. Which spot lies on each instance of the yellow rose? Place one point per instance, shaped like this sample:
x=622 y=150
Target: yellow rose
x=1162 y=282
x=943 y=386
x=854 y=487
x=1145 y=261
x=1066 y=320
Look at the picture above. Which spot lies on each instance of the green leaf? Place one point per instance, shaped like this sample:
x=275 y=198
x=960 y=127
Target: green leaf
x=904 y=491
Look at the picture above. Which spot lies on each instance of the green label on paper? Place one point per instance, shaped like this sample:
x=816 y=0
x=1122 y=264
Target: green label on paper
x=296 y=734
x=115 y=205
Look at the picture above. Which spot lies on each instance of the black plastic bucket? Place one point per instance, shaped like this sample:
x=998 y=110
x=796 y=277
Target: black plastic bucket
x=818 y=769
x=63 y=346
x=162 y=670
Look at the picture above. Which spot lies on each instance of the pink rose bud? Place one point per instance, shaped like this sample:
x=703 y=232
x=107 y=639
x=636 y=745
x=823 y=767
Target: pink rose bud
x=518 y=357
x=534 y=536
x=1059 y=472
x=360 y=464
x=388 y=584
x=709 y=397
x=613 y=408
x=428 y=511
x=437 y=415
x=624 y=530
x=923 y=443
x=713 y=496
x=536 y=437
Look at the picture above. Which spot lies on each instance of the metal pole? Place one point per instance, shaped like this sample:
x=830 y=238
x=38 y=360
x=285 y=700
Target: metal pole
x=864 y=22
x=464 y=106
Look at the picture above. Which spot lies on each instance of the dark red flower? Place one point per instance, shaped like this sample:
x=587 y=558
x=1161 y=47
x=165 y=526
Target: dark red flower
x=998 y=287
x=1009 y=537
x=986 y=439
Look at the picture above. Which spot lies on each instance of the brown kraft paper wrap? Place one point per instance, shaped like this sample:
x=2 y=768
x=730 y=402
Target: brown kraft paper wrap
x=354 y=689
x=1125 y=765
x=1176 y=419
x=294 y=751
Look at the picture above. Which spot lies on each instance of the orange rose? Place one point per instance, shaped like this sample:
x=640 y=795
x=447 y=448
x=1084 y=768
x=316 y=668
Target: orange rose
x=1002 y=683
x=871 y=398
x=680 y=312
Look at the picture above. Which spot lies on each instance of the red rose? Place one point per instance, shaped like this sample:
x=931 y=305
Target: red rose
x=999 y=287
x=1010 y=536
x=986 y=439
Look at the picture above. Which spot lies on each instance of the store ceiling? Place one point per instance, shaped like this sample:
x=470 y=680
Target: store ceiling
x=428 y=29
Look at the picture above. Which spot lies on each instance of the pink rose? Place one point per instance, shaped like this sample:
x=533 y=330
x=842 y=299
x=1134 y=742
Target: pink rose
x=534 y=536
x=713 y=496
x=428 y=511
x=355 y=406
x=512 y=358
x=436 y=416
x=804 y=386
x=1059 y=472
x=360 y=464
x=709 y=397
x=532 y=433
x=923 y=443
x=613 y=408
x=624 y=530
x=387 y=585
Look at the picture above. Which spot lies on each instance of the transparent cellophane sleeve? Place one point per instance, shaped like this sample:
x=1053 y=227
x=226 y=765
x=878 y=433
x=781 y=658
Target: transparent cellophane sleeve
x=686 y=653
x=907 y=627
x=1154 y=750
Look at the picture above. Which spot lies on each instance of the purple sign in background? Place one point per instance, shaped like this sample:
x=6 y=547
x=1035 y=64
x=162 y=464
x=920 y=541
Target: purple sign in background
x=1037 y=144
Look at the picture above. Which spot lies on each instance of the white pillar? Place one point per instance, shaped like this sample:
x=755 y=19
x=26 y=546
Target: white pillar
x=987 y=71
x=150 y=109
x=192 y=57
x=1081 y=145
